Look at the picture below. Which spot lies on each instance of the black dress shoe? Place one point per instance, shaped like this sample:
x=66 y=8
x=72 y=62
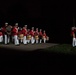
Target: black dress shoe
x=32 y=43
x=1 y=43
x=5 y=44
x=8 y=43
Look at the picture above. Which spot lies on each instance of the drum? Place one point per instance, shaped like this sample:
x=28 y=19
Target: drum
x=29 y=37
x=47 y=38
x=21 y=36
x=43 y=37
x=36 y=37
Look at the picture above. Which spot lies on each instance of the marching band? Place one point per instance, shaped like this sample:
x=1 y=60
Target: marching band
x=18 y=35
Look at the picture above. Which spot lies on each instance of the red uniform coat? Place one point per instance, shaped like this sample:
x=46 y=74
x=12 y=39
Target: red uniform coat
x=15 y=31
x=24 y=31
x=72 y=33
x=28 y=33
x=40 y=34
x=3 y=30
x=36 y=33
x=44 y=34
x=1 y=33
x=32 y=33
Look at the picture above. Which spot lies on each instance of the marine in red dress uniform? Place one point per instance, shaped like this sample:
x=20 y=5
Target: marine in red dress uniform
x=15 y=34
x=20 y=32
x=40 y=36
x=1 y=36
x=28 y=36
x=32 y=32
x=28 y=32
x=36 y=32
x=5 y=38
x=73 y=33
x=24 y=31
x=20 y=35
x=44 y=36
x=25 y=26
x=37 y=35
x=3 y=29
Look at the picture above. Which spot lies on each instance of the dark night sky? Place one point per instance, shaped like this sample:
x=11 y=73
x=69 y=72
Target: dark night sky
x=53 y=16
x=31 y=7
x=37 y=9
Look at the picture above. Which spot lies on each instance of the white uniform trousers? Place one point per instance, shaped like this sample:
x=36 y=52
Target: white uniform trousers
x=21 y=40
x=40 y=41
x=32 y=40
x=24 y=40
x=28 y=41
x=7 y=39
x=74 y=42
x=37 y=40
x=44 y=40
x=1 y=38
x=16 y=41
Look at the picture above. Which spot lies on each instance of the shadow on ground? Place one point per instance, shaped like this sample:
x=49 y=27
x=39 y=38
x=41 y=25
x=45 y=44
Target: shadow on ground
x=37 y=61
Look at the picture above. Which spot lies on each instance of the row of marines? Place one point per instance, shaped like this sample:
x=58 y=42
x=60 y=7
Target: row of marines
x=17 y=35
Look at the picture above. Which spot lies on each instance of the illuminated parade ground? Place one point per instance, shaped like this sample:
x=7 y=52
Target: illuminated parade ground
x=28 y=47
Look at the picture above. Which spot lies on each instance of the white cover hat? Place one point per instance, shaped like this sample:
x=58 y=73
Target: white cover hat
x=32 y=27
x=16 y=23
x=25 y=25
x=6 y=23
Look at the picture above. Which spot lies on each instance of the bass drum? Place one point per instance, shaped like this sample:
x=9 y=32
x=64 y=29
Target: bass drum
x=28 y=37
x=43 y=37
x=36 y=37
x=47 y=38
x=21 y=36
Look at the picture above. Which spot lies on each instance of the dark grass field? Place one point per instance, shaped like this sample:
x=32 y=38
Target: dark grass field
x=55 y=60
